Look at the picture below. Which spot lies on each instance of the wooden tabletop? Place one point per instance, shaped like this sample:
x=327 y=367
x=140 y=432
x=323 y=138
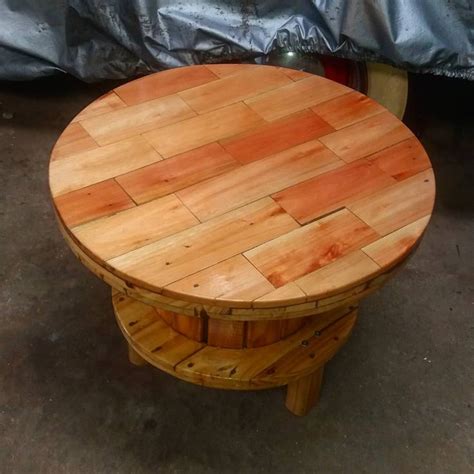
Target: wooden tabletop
x=241 y=185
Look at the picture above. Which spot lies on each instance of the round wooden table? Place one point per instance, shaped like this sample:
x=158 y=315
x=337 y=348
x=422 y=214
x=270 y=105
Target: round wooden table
x=240 y=213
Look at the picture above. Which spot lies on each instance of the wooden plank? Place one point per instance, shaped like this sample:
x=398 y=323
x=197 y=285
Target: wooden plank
x=367 y=137
x=402 y=160
x=204 y=245
x=103 y=105
x=133 y=120
x=394 y=247
x=276 y=136
x=294 y=97
x=168 y=176
x=348 y=270
x=203 y=129
x=94 y=166
x=258 y=179
x=347 y=109
x=86 y=204
x=189 y=326
x=288 y=294
x=166 y=83
x=399 y=205
x=295 y=74
x=290 y=326
x=315 y=197
x=233 y=88
x=136 y=227
x=134 y=315
x=229 y=69
x=308 y=248
x=262 y=333
x=227 y=334
x=232 y=279
x=73 y=140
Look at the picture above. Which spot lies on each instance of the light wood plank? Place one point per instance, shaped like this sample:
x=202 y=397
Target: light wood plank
x=258 y=179
x=73 y=140
x=232 y=279
x=233 y=88
x=399 y=205
x=308 y=248
x=167 y=82
x=367 y=137
x=173 y=174
x=103 y=105
x=394 y=247
x=133 y=120
x=202 y=246
x=286 y=294
x=276 y=136
x=97 y=165
x=402 y=160
x=347 y=109
x=294 y=97
x=228 y=334
x=325 y=193
x=201 y=130
x=229 y=69
x=295 y=74
x=136 y=227
x=86 y=204
x=350 y=269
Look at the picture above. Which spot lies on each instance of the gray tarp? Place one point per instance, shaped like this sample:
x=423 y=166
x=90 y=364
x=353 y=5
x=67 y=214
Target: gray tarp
x=98 y=39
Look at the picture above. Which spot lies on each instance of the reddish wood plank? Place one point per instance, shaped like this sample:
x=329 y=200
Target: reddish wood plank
x=107 y=103
x=176 y=173
x=276 y=136
x=98 y=200
x=166 y=83
x=332 y=190
x=262 y=333
x=228 y=334
x=73 y=140
x=189 y=326
x=367 y=137
x=402 y=160
x=313 y=246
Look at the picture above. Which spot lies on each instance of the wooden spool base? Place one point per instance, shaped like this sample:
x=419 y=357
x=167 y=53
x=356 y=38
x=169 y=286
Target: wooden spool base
x=297 y=360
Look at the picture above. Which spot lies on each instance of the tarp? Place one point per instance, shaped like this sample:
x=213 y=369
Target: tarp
x=113 y=39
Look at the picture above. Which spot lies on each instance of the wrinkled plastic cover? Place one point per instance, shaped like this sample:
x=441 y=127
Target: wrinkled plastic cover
x=112 y=39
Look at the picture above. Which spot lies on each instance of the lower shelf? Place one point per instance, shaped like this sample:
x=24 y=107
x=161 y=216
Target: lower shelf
x=272 y=365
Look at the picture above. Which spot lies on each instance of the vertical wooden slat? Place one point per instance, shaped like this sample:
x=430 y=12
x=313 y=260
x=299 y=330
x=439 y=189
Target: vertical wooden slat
x=226 y=334
x=188 y=326
x=262 y=333
x=290 y=326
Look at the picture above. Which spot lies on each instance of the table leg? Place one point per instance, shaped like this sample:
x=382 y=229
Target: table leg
x=134 y=357
x=303 y=393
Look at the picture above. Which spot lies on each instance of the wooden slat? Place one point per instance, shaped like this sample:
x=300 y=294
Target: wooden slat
x=189 y=326
x=399 y=205
x=134 y=315
x=228 y=334
x=262 y=333
x=73 y=140
x=290 y=326
x=195 y=132
x=295 y=74
x=313 y=246
x=234 y=88
x=345 y=271
x=276 y=136
x=347 y=109
x=332 y=190
x=402 y=160
x=232 y=279
x=133 y=120
x=285 y=295
x=136 y=227
x=258 y=179
x=296 y=96
x=103 y=105
x=204 y=245
x=396 y=245
x=86 y=204
x=93 y=166
x=168 y=176
x=167 y=82
x=367 y=137
x=229 y=69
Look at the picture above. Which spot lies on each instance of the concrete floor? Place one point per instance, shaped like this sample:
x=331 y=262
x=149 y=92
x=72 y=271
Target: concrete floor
x=397 y=399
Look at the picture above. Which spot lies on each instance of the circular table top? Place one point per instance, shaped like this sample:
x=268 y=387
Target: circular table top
x=241 y=185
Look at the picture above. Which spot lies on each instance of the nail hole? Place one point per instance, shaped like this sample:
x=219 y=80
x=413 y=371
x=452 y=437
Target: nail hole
x=196 y=285
x=132 y=323
x=317 y=333
x=167 y=263
x=271 y=371
x=156 y=349
x=233 y=371
x=305 y=343
x=312 y=355
x=190 y=365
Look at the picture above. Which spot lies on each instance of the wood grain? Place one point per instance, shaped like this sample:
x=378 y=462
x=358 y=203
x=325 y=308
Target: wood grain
x=73 y=140
x=308 y=248
x=258 y=179
x=201 y=130
x=103 y=105
x=276 y=136
x=229 y=69
x=173 y=174
x=228 y=334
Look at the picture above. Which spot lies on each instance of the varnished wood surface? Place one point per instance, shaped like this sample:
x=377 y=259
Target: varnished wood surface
x=245 y=188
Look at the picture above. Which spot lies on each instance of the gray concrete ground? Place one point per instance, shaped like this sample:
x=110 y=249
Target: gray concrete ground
x=397 y=399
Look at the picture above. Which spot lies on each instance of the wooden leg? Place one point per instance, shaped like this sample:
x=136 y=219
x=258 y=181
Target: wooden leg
x=134 y=357
x=302 y=394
